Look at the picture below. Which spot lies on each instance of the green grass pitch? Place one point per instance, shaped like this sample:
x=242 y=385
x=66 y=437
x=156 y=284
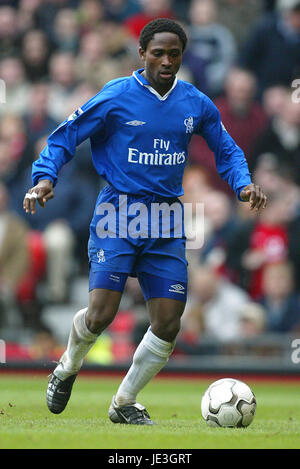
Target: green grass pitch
x=174 y=404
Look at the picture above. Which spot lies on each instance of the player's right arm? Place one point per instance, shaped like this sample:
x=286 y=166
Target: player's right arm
x=61 y=146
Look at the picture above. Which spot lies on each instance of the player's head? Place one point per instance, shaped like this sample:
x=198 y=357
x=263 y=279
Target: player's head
x=162 y=42
x=161 y=25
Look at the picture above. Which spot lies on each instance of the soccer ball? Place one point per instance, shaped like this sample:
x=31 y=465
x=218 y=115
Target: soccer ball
x=228 y=402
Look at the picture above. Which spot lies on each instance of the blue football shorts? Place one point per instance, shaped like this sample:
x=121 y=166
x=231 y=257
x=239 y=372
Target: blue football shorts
x=140 y=236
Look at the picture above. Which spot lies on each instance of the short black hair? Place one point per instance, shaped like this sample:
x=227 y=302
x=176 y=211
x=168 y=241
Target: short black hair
x=161 y=25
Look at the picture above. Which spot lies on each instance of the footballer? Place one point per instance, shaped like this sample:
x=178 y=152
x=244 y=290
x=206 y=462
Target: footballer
x=139 y=128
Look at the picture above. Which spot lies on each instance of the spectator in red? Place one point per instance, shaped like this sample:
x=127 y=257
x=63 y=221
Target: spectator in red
x=270 y=238
x=28 y=301
x=151 y=9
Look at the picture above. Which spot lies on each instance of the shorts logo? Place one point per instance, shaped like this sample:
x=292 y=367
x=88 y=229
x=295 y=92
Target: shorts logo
x=100 y=255
x=189 y=124
x=114 y=278
x=177 y=288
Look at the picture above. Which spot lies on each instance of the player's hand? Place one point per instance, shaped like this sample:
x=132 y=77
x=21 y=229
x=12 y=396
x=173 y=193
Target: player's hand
x=255 y=196
x=42 y=192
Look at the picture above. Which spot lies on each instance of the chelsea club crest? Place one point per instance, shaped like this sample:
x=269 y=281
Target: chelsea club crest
x=100 y=255
x=189 y=125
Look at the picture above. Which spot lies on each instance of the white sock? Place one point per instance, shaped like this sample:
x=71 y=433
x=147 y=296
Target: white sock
x=81 y=339
x=149 y=358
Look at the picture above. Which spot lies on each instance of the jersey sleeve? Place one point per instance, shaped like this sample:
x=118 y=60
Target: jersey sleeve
x=230 y=159
x=61 y=144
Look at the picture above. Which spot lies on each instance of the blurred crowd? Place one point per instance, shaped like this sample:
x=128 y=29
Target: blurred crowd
x=245 y=55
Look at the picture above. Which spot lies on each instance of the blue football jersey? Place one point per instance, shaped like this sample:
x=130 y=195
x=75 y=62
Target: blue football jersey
x=139 y=139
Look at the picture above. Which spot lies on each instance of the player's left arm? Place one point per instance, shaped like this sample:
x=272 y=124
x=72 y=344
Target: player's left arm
x=254 y=194
x=230 y=159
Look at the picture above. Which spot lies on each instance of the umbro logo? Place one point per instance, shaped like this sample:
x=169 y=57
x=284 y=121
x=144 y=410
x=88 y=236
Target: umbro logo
x=114 y=278
x=135 y=123
x=177 y=288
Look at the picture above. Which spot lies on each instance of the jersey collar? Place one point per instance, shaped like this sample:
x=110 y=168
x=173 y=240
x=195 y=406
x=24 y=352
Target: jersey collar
x=143 y=82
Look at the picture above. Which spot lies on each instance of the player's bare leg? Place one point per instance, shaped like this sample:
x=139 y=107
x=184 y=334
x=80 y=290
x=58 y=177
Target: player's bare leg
x=149 y=358
x=88 y=324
